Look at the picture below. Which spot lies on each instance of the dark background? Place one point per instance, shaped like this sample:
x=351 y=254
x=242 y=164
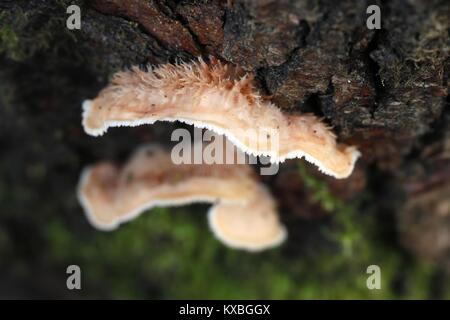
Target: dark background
x=385 y=91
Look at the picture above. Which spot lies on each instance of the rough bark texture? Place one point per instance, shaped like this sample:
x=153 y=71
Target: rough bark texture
x=385 y=91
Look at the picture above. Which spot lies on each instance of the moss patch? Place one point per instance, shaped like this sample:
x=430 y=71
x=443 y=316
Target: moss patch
x=172 y=254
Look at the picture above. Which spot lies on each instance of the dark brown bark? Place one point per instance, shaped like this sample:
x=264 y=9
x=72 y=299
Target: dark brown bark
x=385 y=91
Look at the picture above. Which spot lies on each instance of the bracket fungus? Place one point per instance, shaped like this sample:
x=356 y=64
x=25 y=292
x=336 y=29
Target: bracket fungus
x=243 y=214
x=222 y=98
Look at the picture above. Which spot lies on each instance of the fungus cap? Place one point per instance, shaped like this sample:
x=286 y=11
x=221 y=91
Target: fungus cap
x=222 y=98
x=243 y=214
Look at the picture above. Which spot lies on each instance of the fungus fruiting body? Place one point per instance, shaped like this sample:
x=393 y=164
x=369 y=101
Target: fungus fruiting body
x=243 y=214
x=222 y=98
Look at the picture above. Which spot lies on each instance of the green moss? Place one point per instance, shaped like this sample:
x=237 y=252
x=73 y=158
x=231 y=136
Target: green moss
x=358 y=234
x=172 y=254
x=320 y=192
x=10 y=43
x=23 y=34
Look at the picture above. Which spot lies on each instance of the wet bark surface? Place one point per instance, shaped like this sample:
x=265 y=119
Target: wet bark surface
x=386 y=91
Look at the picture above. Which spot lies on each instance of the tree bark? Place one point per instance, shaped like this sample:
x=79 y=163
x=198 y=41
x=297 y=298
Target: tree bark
x=386 y=91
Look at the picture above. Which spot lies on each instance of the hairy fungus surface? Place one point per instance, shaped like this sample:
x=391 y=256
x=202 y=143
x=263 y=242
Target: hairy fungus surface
x=243 y=214
x=222 y=98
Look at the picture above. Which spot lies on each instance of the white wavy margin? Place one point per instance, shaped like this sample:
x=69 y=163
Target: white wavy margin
x=211 y=216
x=274 y=158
